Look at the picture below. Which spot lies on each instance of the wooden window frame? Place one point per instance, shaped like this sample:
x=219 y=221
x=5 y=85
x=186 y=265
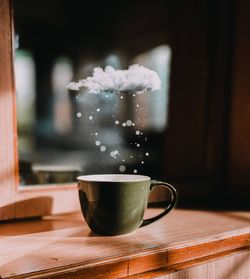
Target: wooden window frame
x=15 y=201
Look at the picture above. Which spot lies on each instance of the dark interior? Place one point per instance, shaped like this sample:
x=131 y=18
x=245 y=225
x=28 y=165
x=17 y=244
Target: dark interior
x=204 y=149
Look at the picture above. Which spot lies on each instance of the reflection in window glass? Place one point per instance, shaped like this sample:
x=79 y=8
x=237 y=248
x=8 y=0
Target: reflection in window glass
x=62 y=74
x=114 y=60
x=155 y=104
x=25 y=84
x=62 y=132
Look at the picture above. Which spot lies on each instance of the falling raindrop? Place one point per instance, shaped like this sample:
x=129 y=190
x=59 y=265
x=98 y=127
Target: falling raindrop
x=114 y=153
x=79 y=114
x=90 y=117
x=138 y=144
x=137 y=132
x=142 y=162
x=97 y=143
x=98 y=109
x=103 y=148
x=124 y=124
x=129 y=122
x=117 y=122
x=122 y=168
x=147 y=154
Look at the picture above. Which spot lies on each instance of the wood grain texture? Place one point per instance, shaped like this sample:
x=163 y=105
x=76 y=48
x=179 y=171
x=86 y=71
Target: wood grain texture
x=234 y=267
x=227 y=265
x=64 y=246
x=8 y=133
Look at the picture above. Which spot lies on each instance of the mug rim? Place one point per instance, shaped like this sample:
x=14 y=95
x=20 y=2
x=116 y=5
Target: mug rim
x=113 y=178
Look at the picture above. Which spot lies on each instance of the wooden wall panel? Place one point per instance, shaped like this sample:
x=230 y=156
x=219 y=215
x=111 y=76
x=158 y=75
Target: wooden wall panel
x=239 y=148
x=185 y=134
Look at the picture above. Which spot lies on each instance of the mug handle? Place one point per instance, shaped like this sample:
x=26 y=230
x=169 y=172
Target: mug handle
x=169 y=206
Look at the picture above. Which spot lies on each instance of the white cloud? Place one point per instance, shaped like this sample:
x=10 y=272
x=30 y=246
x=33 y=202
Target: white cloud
x=136 y=78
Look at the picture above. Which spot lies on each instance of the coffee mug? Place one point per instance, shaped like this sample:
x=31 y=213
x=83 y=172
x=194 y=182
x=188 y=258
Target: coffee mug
x=114 y=204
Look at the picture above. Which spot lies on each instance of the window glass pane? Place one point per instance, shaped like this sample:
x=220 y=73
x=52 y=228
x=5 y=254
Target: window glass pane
x=63 y=133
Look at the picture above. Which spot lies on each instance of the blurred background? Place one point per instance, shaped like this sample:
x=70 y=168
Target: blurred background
x=195 y=130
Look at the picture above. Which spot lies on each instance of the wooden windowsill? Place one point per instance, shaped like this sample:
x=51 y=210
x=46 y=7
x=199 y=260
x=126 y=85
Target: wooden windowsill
x=60 y=245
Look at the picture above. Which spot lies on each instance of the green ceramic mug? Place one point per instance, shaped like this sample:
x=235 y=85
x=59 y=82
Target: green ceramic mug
x=114 y=204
